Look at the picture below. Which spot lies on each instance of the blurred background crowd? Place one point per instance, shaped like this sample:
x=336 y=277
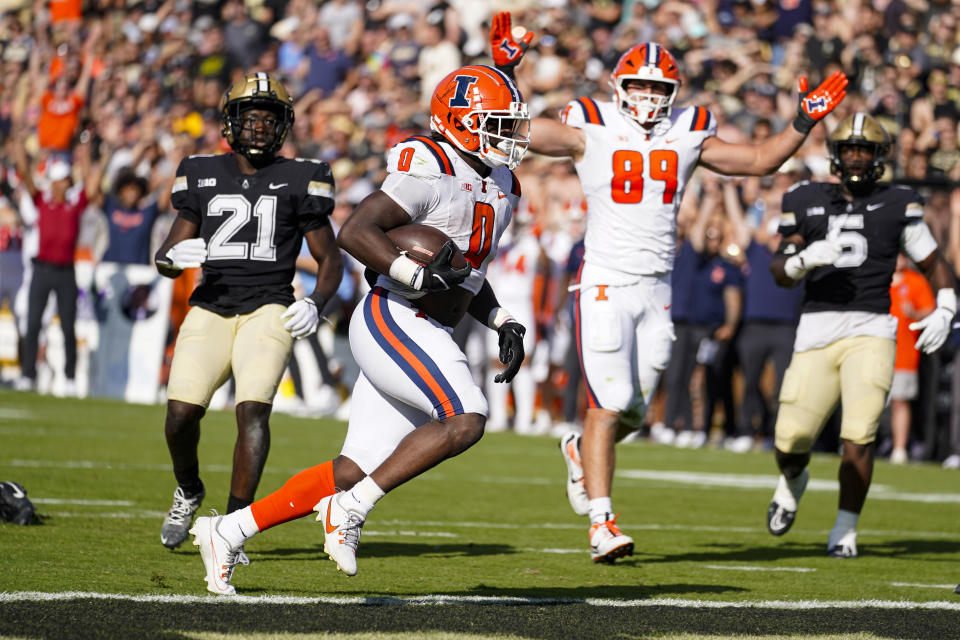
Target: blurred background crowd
x=106 y=96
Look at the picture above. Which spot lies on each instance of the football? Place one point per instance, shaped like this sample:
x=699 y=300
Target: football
x=421 y=243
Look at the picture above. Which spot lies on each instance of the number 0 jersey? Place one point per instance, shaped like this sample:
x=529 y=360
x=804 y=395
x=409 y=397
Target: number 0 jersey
x=253 y=226
x=633 y=182
x=436 y=187
x=872 y=232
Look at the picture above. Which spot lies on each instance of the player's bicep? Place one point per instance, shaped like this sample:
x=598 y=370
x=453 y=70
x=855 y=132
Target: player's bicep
x=317 y=204
x=728 y=158
x=182 y=198
x=918 y=242
x=552 y=138
x=364 y=236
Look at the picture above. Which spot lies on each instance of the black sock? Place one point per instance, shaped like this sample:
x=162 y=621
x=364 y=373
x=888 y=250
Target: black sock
x=189 y=480
x=235 y=503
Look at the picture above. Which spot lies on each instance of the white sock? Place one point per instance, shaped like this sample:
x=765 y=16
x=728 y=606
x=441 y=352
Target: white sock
x=238 y=527
x=601 y=510
x=788 y=492
x=363 y=496
x=845 y=523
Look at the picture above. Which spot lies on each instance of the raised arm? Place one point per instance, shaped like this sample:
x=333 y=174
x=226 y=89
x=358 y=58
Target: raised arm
x=22 y=163
x=548 y=137
x=734 y=210
x=555 y=139
x=766 y=157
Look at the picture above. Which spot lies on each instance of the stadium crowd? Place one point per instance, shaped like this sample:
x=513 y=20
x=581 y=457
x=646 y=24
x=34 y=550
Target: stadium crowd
x=107 y=97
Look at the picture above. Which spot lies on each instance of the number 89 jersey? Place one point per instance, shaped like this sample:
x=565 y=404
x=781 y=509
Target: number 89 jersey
x=633 y=181
x=437 y=188
x=253 y=226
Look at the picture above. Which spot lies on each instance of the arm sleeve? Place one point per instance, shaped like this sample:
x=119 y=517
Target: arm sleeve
x=415 y=195
x=317 y=202
x=917 y=241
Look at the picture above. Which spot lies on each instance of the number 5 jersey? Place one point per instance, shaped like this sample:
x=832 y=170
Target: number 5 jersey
x=253 y=226
x=633 y=180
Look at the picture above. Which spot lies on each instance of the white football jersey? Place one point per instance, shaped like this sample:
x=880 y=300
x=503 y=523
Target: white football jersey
x=437 y=188
x=633 y=182
x=514 y=273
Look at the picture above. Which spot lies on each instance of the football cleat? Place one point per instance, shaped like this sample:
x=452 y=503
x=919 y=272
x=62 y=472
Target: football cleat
x=219 y=558
x=177 y=523
x=341 y=532
x=607 y=542
x=15 y=506
x=779 y=518
x=844 y=547
x=576 y=487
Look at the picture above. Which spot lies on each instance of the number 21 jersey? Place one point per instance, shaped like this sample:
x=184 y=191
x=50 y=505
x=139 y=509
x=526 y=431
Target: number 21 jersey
x=253 y=226
x=633 y=181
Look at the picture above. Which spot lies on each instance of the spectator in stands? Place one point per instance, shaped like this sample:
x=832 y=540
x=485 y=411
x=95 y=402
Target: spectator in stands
x=770 y=316
x=130 y=215
x=59 y=209
x=715 y=302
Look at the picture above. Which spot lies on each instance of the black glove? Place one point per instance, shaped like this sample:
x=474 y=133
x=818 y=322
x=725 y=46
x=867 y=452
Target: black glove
x=440 y=275
x=511 y=349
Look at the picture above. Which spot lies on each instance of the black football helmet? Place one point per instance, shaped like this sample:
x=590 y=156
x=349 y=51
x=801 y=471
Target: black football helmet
x=255 y=91
x=861 y=130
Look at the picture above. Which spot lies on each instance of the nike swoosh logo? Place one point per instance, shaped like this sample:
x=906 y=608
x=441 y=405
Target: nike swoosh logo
x=672 y=141
x=329 y=527
x=501 y=195
x=277 y=186
x=873 y=207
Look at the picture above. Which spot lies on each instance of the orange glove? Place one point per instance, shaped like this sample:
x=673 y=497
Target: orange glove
x=507 y=52
x=816 y=104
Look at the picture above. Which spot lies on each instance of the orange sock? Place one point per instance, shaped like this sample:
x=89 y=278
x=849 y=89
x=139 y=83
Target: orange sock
x=296 y=498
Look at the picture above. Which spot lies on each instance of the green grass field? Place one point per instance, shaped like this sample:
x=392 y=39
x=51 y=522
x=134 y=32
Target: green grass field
x=484 y=545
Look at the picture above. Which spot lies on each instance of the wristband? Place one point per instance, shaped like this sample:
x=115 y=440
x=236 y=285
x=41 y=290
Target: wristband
x=498 y=317
x=407 y=271
x=317 y=300
x=804 y=123
x=947 y=299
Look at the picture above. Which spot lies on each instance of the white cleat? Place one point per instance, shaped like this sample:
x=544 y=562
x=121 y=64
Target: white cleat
x=844 y=546
x=576 y=487
x=219 y=558
x=341 y=532
x=607 y=542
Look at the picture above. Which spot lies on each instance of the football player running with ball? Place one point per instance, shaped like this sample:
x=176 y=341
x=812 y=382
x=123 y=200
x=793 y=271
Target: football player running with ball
x=634 y=156
x=415 y=403
x=242 y=217
x=842 y=241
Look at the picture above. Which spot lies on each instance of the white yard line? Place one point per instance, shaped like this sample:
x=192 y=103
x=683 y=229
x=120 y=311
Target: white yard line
x=918 y=585
x=37 y=596
x=731 y=567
